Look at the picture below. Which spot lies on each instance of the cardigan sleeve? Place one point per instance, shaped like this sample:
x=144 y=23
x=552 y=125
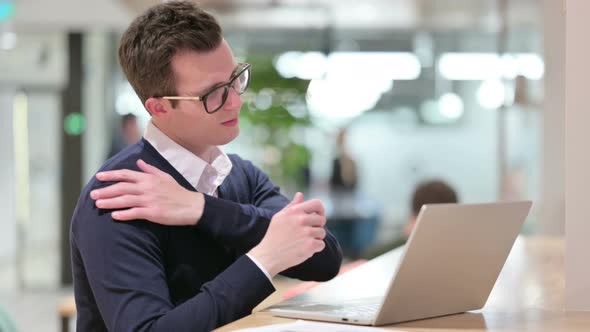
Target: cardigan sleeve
x=242 y=226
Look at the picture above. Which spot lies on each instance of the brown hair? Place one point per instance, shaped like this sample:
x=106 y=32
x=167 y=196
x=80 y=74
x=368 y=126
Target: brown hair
x=432 y=192
x=149 y=43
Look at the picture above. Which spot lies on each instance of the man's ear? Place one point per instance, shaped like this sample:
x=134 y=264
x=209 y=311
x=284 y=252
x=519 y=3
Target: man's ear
x=157 y=107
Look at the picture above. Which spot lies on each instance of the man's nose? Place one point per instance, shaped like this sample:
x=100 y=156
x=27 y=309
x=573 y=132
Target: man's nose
x=234 y=100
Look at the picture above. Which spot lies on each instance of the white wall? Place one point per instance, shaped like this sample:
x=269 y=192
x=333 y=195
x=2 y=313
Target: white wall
x=394 y=157
x=577 y=157
x=7 y=207
x=38 y=60
x=37 y=67
x=553 y=167
x=42 y=231
x=67 y=15
x=98 y=102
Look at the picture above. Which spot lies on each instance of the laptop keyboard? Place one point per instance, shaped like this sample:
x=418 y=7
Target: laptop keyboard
x=347 y=310
x=365 y=310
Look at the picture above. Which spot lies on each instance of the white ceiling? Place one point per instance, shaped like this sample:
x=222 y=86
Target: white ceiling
x=71 y=14
x=404 y=14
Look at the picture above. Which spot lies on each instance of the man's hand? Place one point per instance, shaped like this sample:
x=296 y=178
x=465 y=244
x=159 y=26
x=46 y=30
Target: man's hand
x=152 y=195
x=295 y=233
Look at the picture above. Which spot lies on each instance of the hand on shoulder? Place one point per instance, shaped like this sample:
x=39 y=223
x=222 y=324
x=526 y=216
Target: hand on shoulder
x=151 y=195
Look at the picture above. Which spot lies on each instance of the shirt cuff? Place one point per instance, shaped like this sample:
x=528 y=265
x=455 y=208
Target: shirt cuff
x=260 y=267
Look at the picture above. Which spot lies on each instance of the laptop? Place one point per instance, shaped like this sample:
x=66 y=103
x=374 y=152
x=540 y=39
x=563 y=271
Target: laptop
x=449 y=265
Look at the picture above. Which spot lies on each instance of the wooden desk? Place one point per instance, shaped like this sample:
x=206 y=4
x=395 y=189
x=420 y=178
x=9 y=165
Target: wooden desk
x=528 y=296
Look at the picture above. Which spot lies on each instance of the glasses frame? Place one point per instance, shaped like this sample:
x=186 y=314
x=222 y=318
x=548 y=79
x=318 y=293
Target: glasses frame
x=242 y=67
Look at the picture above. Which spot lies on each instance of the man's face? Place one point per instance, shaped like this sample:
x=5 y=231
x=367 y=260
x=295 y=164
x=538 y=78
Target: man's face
x=188 y=123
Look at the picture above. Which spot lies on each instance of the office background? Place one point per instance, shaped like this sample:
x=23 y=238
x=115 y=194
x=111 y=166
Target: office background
x=427 y=89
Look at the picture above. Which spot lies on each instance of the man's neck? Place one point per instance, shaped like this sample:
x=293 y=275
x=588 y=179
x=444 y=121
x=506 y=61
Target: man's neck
x=204 y=152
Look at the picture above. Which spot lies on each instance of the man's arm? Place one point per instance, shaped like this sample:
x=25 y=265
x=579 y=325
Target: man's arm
x=125 y=269
x=249 y=222
x=155 y=195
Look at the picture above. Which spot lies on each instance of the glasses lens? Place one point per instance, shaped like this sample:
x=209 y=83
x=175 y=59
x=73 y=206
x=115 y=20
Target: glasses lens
x=241 y=82
x=216 y=98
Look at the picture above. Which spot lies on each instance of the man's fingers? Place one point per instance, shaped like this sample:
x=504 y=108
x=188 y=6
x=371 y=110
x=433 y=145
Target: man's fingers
x=120 y=175
x=120 y=202
x=319 y=245
x=298 y=198
x=117 y=189
x=147 y=168
x=318 y=233
x=311 y=206
x=314 y=220
x=131 y=214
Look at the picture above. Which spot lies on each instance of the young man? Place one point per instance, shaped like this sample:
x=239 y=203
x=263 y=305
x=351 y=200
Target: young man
x=206 y=232
x=429 y=192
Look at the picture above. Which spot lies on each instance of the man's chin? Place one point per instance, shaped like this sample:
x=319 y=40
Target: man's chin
x=228 y=137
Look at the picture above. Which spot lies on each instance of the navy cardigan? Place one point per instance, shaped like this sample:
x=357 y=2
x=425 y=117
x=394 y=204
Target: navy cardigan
x=142 y=276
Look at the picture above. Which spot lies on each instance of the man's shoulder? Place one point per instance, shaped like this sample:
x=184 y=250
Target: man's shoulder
x=86 y=210
x=128 y=157
x=235 y=158
x=240 y=163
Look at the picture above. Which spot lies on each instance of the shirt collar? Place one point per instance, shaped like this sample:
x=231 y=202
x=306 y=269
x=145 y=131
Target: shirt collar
x=189 y=165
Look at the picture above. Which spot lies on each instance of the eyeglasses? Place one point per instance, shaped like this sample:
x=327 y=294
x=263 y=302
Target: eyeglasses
x=215 y=98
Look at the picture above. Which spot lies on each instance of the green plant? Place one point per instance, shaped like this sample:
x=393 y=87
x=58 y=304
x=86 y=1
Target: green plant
x=291 y=166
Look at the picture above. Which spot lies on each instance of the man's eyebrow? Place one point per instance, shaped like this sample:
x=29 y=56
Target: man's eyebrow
x=207 y=89
x=214 y=85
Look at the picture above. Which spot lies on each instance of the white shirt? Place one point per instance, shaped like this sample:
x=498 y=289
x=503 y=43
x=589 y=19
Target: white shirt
x=203 y=176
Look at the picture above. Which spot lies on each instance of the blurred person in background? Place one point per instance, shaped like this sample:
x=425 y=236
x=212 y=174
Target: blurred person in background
x=172 y=234
x=428 y=192
x=354 y=218
x=344 y=176
x=127 y=134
